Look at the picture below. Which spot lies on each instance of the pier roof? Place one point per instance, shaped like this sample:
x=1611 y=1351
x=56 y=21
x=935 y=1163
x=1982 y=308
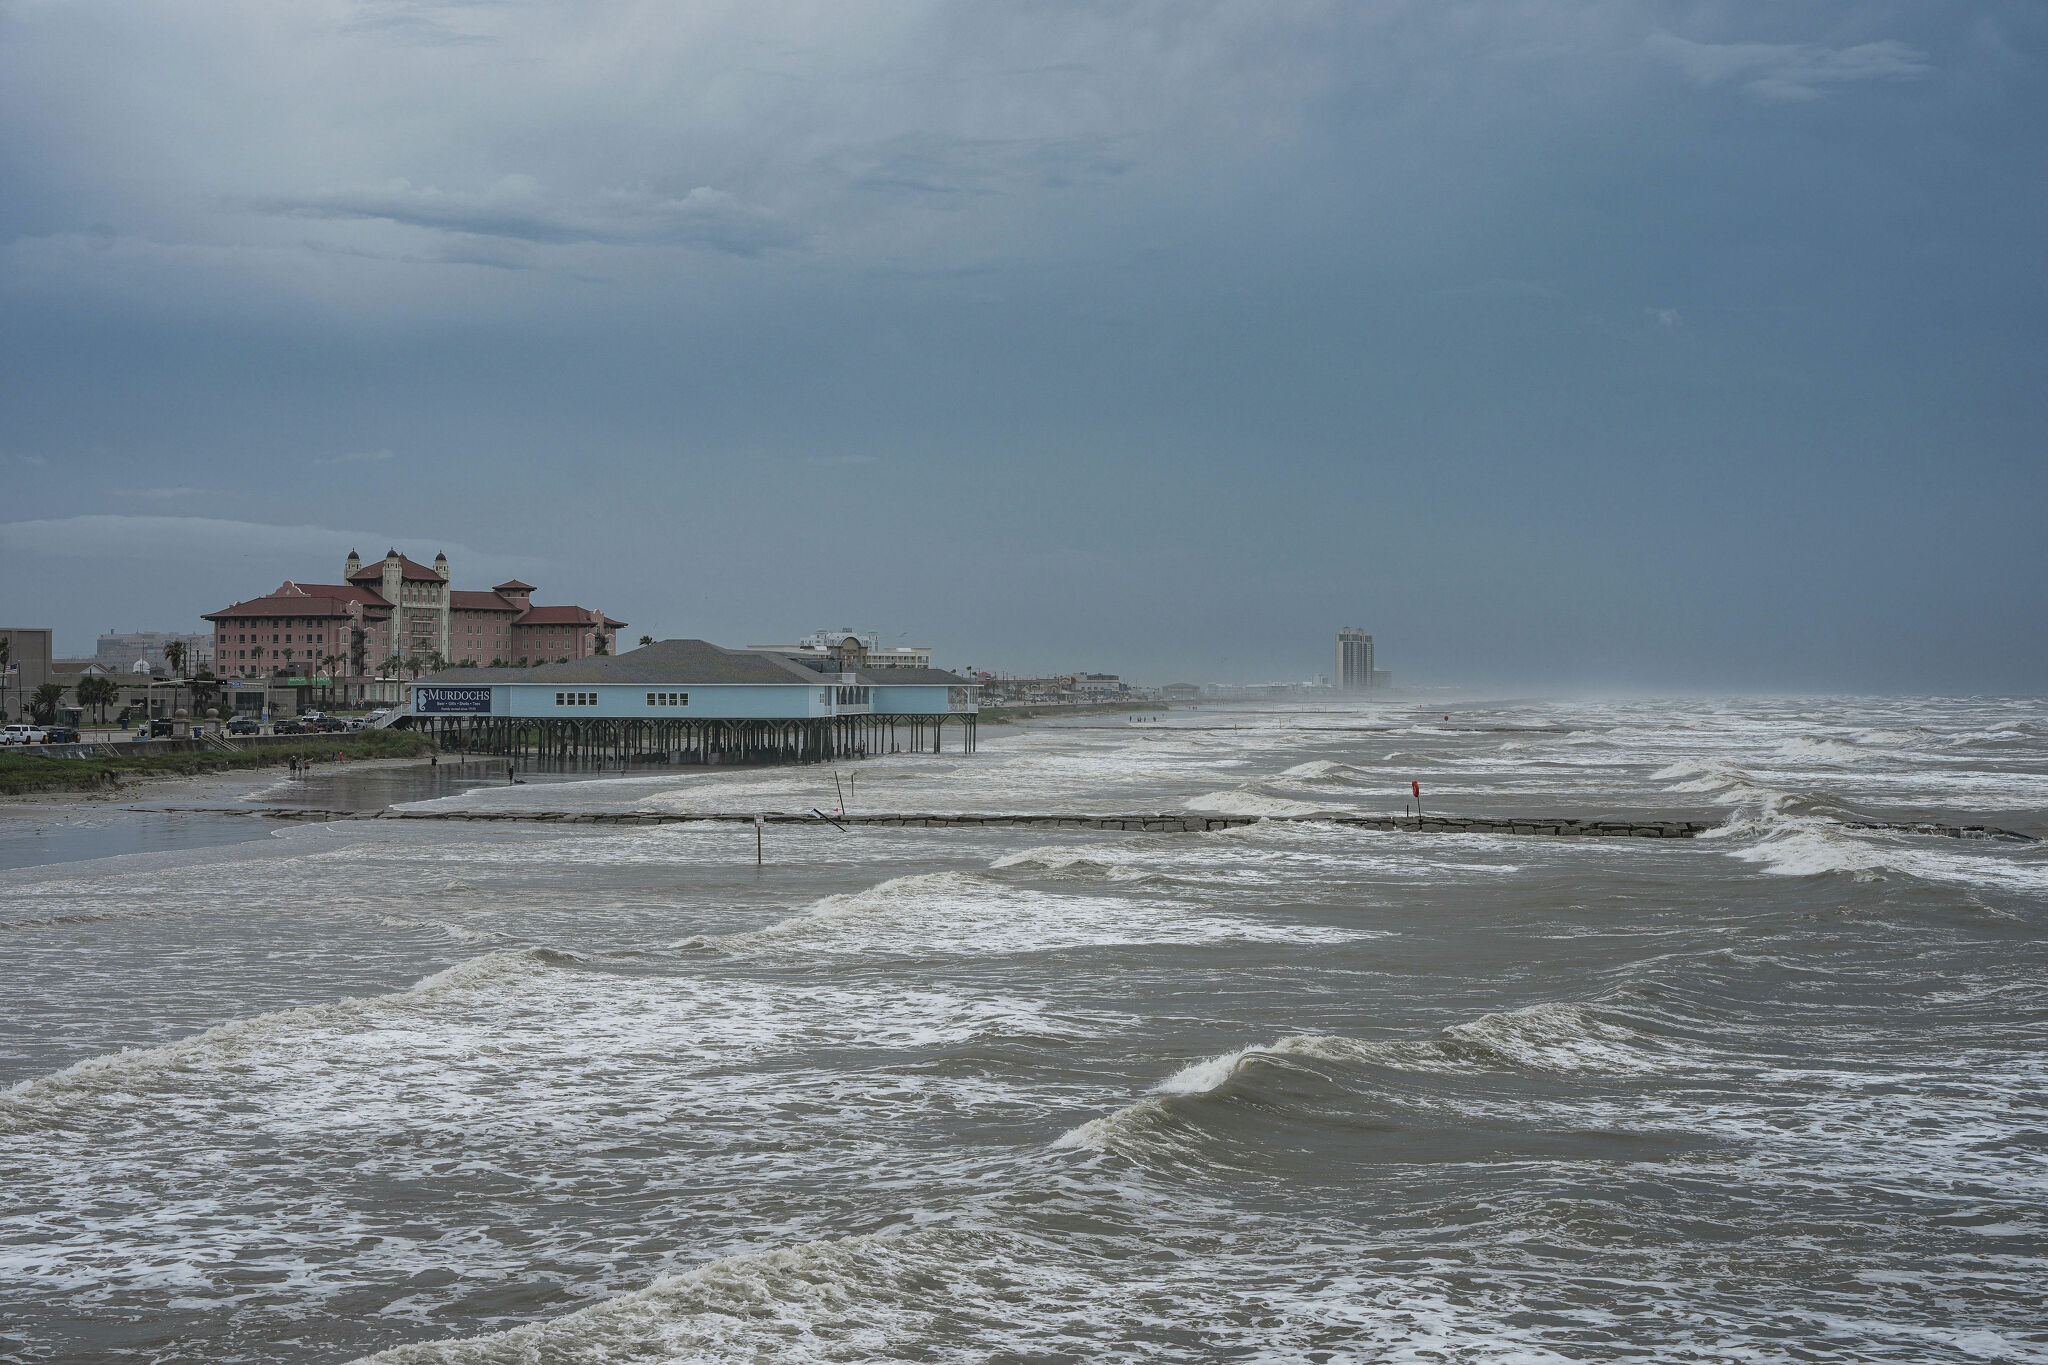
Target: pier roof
x=870 y=676
x=912 y=677
x=668 y=662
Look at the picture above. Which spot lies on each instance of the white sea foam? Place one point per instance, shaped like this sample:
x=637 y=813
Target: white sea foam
x=1556 y=1037
x=1729 y=784
x=1116 y=862
x=1815 y=848
x=949 y=913
x=1824 y=749
x=1250 y=803
x=138 y=1068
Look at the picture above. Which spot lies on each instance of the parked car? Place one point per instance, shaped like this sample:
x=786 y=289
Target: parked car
x=60 y=734
x=245 y=725
x=24 y=734
x=373 y=717
x=313 y=715
x=292 y=727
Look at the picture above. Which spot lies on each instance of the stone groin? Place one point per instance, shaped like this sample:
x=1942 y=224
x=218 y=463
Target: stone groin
x=1936 y=827
x=1164 y=822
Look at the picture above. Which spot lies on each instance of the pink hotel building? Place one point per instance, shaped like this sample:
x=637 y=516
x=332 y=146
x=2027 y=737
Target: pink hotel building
x=405 y=611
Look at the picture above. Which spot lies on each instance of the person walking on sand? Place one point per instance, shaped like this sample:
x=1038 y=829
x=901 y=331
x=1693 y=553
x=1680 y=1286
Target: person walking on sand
x=508 y=774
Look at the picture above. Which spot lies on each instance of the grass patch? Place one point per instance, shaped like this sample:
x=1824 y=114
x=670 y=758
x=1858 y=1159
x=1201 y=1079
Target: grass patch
x=33 y=773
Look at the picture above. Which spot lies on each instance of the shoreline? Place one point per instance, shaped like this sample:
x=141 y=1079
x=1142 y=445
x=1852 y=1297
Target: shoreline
x=106 y=777
x=231 y=784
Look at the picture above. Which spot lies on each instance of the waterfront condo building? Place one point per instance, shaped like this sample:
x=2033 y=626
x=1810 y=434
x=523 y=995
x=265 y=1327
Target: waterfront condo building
x=1354 y=660
x=394 y=616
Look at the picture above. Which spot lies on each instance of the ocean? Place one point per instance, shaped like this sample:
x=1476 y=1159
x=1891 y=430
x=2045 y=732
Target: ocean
x=1292 y=1091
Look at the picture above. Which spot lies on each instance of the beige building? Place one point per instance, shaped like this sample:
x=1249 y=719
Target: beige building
x=29 y=657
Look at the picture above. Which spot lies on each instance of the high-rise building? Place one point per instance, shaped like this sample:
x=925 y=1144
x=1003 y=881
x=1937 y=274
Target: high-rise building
x=1354 y=660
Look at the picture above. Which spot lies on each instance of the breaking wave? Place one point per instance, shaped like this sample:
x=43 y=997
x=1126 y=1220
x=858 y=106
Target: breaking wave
x=1250 y=802
x=948 y=913
x=140 y=1069
x=1553 y=1038
x=1723 y=783
x=1092 y=861
x=1825 y=750
x=1329 y=772
x=824 y=1300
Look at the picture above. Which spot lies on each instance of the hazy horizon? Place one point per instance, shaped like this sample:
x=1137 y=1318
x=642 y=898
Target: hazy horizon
x=1629 y=347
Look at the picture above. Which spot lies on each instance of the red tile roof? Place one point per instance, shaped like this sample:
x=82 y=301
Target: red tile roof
x=558 y=616
x=462 y=600
x=307 y=599
x=513 y=585
x=347 y=592
x=565 y=616
x=410 y=570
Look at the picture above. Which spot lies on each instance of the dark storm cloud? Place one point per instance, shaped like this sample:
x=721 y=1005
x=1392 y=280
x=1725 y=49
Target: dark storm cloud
x=1622 y=341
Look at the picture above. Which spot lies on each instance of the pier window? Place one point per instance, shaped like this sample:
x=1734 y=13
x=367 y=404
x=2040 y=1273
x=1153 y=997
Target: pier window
x=668 y=698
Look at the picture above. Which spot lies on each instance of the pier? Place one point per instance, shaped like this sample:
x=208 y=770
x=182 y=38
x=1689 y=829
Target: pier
x=632 y=741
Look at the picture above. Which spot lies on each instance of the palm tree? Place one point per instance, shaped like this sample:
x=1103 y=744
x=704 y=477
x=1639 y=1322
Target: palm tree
x=43 y=703
x=174 y=655
x=95 y=691
x=647 y=639
x=256 y=653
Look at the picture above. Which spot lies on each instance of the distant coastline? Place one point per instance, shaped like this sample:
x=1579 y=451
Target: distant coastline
x=1004 y=715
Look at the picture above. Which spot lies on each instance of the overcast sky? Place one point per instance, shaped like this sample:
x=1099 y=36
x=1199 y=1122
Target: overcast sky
x=1558 y=344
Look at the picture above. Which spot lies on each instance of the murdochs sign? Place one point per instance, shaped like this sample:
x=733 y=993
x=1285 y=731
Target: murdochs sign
x=444 y=701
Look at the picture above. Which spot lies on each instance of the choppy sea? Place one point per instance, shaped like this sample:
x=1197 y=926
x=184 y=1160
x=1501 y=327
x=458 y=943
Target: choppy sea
x=1293 y=1091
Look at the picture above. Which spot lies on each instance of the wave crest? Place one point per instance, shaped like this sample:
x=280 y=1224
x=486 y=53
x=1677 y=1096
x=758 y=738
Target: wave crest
x=1553 y=1038
x=1248 y=801
x=41 y=1098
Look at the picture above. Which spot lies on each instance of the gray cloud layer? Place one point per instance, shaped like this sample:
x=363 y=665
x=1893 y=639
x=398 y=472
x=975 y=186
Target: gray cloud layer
x=517 y=208
x=1558 y=342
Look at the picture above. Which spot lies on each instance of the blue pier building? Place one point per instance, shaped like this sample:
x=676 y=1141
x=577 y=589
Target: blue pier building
x=690 y=701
